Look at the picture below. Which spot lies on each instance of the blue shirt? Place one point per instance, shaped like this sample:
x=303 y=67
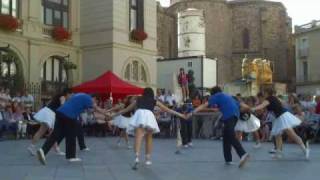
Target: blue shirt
x=227 y=105
x=73 y=107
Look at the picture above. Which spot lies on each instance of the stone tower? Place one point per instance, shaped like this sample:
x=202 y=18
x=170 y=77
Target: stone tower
x=258 y=28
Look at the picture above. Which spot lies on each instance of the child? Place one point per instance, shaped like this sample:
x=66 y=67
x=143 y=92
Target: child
x=186 y=126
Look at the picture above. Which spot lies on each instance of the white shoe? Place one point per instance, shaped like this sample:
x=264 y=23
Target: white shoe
x=85 y=149
x=185 y=146
x=307 y=153
x=272 y=151
x=243 y=160
x=257 y=146
x=32 y=150
x=229 y=163
x=41 y=156
x=190 y=144
x=60 y=153
x=277 y=155
x=129 y=147
x=74 y=160
x=148 y=162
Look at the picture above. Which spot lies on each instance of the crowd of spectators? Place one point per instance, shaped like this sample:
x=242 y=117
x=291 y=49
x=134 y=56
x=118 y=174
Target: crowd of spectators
x=16 y=115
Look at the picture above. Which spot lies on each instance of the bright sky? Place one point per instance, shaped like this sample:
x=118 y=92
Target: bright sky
x=301 y=11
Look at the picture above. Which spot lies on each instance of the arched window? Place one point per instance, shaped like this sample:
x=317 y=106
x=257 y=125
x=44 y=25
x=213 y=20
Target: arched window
x=246 y=38
x=53 y=70
x=136 y=71
x=11 y=75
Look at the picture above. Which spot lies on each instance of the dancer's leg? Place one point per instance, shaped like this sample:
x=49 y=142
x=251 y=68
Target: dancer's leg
x=138 y=140
x=292 y=135
x=148 y=146
x=41 y=131
x=80 y=136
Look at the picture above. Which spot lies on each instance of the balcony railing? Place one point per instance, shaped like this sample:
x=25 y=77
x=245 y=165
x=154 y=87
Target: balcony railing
x=47 y=30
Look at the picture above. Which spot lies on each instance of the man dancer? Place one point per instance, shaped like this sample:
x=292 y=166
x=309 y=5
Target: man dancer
x=66 y=125
x=230 y=110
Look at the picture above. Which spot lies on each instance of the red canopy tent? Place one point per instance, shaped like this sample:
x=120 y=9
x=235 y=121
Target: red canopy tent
x=109 y=83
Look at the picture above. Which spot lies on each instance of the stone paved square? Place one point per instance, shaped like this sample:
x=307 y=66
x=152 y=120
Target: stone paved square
x=204 y=161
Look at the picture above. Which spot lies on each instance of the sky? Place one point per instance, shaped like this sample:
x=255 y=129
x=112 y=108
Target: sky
x=301 y=11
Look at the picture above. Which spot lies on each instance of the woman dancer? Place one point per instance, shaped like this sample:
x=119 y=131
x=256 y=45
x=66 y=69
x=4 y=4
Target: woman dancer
x=46 y=118
x=284 y=123
x=143 y=122
x=248 y=123
x=122 y=121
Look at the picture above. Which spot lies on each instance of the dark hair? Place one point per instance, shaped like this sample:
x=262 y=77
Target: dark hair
x=66 y=91
x=95 y=96
x=238 y=94
x=148 y=92
x=215 y=90
x=260 y=94
x=270 y=91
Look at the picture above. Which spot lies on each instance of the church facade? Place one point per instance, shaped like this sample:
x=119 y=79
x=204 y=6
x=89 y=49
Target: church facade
x=233 y=29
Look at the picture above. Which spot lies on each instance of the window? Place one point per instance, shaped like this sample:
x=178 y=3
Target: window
x=136 y=14
x=8 y=67
x=136 y=71
x=56 y=12
x=305 y=71
x=246 y=39
x=53 y=70
x=303 y=48
x=9 y=7
x=189 y=64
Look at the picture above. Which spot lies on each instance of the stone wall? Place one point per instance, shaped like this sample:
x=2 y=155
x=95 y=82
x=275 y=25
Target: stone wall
x=167 y=34
x=266 y=21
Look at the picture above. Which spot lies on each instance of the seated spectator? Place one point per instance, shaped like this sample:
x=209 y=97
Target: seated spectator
x=3 y=123
x=164 y=121
x=11 y=124
x=170 y=99
x=317 y=111
x=27 y=99
x=17 y=109
x=32 y=125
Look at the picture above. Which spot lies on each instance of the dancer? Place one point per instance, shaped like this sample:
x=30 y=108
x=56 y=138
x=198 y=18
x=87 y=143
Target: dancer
x=143 y=122
x=66 y=126
x=183 y=82
x=229 y=108
x=122 y=121
x=248 y=123
x=284 y=123
x=46 y=118
x=186 y=126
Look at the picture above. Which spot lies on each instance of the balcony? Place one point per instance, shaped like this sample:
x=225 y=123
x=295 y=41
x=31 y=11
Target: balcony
x=47 y=30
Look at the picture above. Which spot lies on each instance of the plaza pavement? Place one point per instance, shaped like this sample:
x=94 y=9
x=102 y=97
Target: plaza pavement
x=106 y=161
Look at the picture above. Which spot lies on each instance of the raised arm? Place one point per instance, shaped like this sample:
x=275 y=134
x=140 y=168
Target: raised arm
x=263 y=105
x=165 y=108
x=127 y=109
x=116 y=108
x=201 y=107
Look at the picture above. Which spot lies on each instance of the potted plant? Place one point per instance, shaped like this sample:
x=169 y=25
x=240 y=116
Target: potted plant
x=69 y=65
x=8 y=23
x=60 y=34
x=138 y=35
